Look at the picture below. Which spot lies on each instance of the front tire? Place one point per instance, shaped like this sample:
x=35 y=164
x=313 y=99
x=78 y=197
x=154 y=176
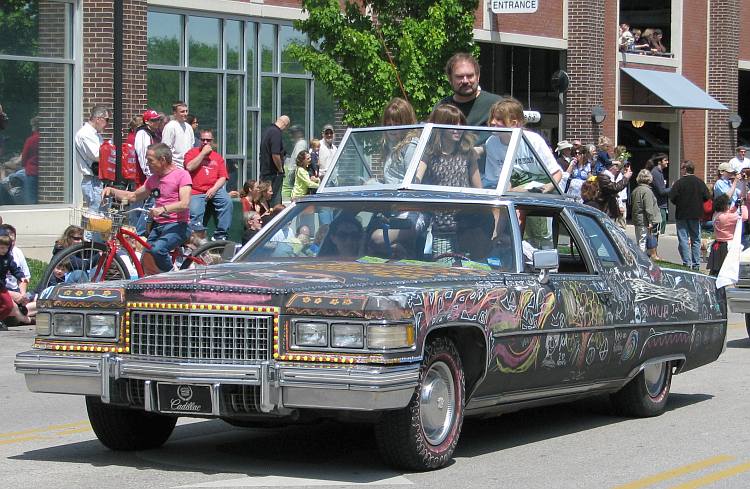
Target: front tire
x=424 y=434
x=646 y=395
x=124 y=429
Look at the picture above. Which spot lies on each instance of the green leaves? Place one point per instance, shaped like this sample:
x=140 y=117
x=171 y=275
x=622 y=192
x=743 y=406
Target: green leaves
x=351 y=48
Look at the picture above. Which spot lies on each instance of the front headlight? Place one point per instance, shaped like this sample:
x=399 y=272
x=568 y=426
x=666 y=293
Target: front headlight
x=390 y=336
x=311 y=334
x=347 y=336
x=101 y=325
x=43 y=320
x=68 y=324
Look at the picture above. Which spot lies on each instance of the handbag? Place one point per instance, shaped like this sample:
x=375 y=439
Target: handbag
x=651 y=241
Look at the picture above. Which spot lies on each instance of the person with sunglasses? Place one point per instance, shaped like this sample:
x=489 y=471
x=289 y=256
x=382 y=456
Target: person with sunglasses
x=86 y=144
x=579 y=171
x=209 y=173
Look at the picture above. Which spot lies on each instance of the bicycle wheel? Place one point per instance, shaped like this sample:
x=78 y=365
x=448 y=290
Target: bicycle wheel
x=84 y=262
x=206 y=254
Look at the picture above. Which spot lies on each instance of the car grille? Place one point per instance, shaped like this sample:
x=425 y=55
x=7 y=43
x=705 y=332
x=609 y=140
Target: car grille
x=201 y=336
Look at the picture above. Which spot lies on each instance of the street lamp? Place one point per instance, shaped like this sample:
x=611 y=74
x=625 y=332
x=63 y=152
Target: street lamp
x=735 y=120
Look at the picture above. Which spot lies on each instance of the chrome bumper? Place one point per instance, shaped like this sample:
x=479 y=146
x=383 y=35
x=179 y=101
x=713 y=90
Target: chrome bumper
x=282 y=386
x=738 y=299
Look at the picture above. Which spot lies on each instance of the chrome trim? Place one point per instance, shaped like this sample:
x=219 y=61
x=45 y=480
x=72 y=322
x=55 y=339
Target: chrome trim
x=532 y=332
x=215 y=396
x=542 y=393
x=738 y=299
x=651 y=361
x=58 y=363
x=187 y=372
x=148 y=397
x=105 y=377
x=351 y=378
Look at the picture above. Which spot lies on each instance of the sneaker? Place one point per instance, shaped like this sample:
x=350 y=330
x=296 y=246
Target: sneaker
x=3 y=327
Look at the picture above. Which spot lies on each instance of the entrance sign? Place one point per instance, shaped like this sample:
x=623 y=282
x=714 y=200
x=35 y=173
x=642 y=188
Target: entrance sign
x=514 y=6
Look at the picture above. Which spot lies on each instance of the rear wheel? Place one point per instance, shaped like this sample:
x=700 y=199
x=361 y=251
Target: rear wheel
x=207 y=254
x=120 y=428
x=645 y=395
x=423 y=435
x=84 y=262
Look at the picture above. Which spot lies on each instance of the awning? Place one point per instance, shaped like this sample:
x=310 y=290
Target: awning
x=674 y=89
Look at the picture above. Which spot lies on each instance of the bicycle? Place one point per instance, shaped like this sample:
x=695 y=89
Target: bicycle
x=116 y=257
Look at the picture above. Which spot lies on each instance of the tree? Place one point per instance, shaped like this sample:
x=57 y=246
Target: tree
x=369 y=51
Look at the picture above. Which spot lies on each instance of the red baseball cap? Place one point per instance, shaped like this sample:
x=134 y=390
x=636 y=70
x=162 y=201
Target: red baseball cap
x=150 y=114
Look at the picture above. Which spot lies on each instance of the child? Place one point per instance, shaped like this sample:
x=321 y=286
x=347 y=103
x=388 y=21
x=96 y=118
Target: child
x=58 y=277
x=313 y=170
x=303 y=182
x=7 y=265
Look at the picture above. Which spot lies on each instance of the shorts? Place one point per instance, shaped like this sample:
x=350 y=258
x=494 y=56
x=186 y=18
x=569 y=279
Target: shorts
x=6 y=304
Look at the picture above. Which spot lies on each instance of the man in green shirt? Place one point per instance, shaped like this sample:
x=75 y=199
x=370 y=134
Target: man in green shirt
x=462 y=70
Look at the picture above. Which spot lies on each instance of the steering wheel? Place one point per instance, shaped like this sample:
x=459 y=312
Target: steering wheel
x=457 y=257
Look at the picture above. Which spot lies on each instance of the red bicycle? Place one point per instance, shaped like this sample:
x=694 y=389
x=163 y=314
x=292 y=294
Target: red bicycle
x=116 y=258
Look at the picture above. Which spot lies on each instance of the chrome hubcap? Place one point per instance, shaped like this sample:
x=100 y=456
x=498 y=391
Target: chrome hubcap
x=655 y=376
x=437 y=403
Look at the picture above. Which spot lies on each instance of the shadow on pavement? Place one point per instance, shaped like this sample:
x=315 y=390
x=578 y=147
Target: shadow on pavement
x=331 y=451
x=739 y=343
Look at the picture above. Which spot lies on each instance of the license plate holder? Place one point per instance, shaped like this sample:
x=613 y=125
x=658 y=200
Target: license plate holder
x=184 y=399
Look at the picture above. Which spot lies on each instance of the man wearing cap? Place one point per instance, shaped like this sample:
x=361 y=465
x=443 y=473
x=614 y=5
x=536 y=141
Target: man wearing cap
x=740 y=162
x=145 y=136
x=178 y=134
x=327 y=150
x=563 y=150
x=209 y=173
x=728 y=183
x=272 y=157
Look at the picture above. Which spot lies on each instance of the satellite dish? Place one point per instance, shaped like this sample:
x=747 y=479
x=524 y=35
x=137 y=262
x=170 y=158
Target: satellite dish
x=560 y=81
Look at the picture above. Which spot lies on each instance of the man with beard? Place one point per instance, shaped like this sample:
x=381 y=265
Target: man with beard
x=462 y=70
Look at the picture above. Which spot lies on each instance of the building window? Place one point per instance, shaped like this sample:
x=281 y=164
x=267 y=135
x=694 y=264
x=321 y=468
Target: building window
x=650 y=23
x=236 y=78
x=36 y=95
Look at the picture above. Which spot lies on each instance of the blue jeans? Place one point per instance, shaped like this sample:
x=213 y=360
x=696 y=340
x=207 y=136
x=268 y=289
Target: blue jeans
x=140 y=219
x=163 y=239
x=92 y=192
x=689 y=241
x=223 y=207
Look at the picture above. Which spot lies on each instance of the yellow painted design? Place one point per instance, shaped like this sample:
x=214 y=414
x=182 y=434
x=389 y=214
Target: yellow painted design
x=305 y=299
x=334 y=302
x=347 y=302
x=318 y=300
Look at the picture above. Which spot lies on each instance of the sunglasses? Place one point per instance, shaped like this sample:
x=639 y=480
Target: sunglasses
x=207 y=140
x=77 y=238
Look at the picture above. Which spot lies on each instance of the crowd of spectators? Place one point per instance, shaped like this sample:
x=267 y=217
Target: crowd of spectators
x=648 y=41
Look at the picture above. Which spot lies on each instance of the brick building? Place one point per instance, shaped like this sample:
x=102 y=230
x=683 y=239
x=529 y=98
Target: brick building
x=227 y=59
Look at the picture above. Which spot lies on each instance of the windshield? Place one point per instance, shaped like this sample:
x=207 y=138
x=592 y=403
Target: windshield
x=447 y=234
x=457 y=158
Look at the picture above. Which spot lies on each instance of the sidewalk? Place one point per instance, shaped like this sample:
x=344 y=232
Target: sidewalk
x=667 y=244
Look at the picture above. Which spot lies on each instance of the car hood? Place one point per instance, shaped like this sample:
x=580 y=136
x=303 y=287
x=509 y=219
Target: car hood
x=290 y=277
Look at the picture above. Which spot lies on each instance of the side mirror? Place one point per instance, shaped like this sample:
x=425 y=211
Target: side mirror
x=544 y=261
x=228 y=253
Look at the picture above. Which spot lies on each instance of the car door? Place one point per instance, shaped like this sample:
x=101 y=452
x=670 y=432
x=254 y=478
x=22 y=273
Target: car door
x=560 y=338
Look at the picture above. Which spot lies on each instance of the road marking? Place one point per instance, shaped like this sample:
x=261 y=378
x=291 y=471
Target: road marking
x=716 y=476
x=281 y=481
x=45 y=433
x=671 y=474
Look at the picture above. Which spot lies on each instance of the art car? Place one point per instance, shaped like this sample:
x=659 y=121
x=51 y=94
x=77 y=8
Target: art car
x=437 y=274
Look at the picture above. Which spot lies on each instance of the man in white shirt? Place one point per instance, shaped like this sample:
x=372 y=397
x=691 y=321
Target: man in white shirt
x=146 y=135
x=327 y=150
x=178 y=134
x=740 y=162
x=86 y=144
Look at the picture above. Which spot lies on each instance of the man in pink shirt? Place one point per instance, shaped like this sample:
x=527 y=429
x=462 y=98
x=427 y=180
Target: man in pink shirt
x=209 y=174
x=170 y=187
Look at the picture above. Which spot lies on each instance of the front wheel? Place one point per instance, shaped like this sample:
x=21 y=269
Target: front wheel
x=84 y=262
x=645 y=395
x=423 y=435
x=120 y=428
x=210 y=253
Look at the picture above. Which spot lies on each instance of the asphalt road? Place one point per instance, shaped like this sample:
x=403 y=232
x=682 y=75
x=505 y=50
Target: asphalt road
x=701 y=441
